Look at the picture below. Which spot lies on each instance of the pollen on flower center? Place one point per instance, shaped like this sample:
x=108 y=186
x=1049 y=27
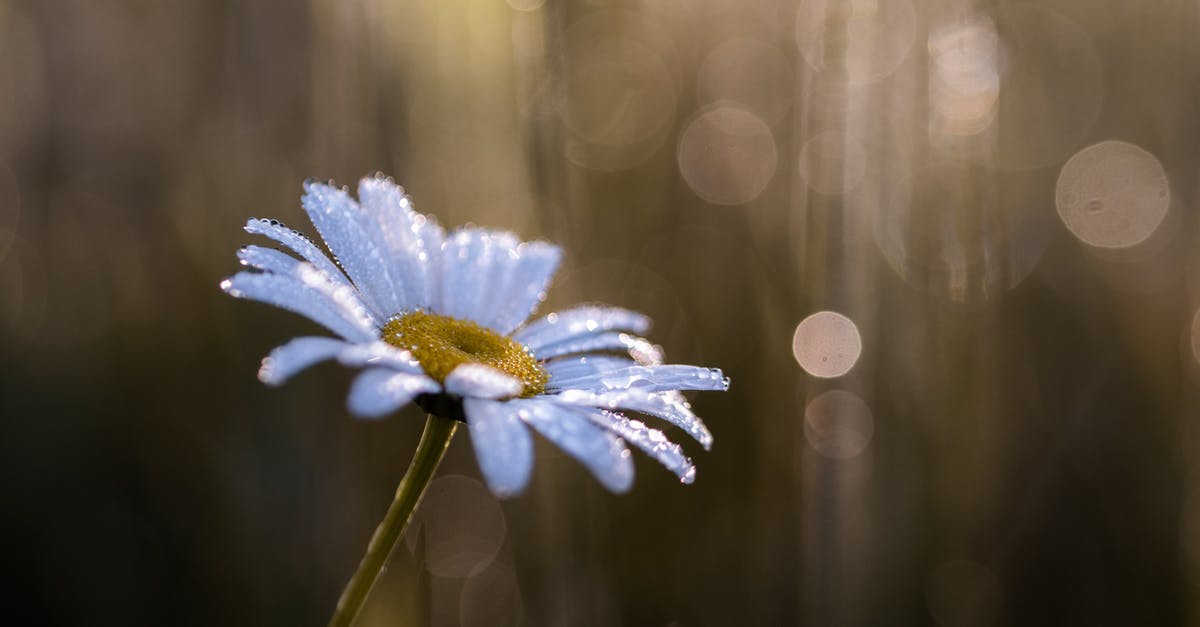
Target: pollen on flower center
x=442 y=343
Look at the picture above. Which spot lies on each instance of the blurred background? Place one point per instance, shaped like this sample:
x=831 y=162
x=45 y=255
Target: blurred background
x=946 y=250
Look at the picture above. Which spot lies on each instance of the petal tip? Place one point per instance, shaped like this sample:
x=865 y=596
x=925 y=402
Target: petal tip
x=268 y=376
x=507 y=491
x=621 y=486
x=364 y=411
x=720 y=378
x=480 y=381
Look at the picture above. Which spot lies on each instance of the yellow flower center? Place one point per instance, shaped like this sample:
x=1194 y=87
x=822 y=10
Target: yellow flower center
x=442 y=343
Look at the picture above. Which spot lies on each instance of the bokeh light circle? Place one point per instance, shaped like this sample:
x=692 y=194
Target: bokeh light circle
x=1045 y=110
x=1112 y=194
x=838 y=424
x=859 y=42
x=832 y=162
x=964 y=75
x=618 y=92
x=617 y=89
x=751 y=72
x=727 y=155
x=826 y=344
x=463 y=526
x=491 y=598
x=947 y=234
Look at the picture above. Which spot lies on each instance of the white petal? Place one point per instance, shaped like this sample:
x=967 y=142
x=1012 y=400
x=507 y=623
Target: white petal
x=602 y=452
x=652 y=441
x=297 y=296
x=472 y=380
x=502 y=444
x=493 y=273
x=297 y=241
x=460 y=279
x=346 y=298
x=669 y=406
x=379 y=354
x=583 y=320
x=401 y=231
x=378 y=391
x=641 y=349
x=475 y=262
x=648 y=378
x=297 y=355
x=526 y=287
x=271 y=260
x=267 y=259
x=352 y=236
x=432 y=238
x=566 y=368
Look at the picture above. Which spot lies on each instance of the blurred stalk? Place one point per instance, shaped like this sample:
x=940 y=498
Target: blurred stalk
x=430 y=450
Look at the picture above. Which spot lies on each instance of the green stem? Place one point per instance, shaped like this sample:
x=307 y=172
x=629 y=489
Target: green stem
x=432 y=446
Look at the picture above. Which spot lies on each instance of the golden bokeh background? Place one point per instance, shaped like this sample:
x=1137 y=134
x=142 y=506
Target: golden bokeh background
x=947 y=251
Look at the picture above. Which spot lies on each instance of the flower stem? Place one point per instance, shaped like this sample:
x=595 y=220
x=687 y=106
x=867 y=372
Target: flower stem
x=430 y=449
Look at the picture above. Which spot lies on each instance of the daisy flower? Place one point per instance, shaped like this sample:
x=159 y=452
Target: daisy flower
x=440 y=320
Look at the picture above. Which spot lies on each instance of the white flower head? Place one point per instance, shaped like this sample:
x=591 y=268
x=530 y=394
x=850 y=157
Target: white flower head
x=440 y=320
